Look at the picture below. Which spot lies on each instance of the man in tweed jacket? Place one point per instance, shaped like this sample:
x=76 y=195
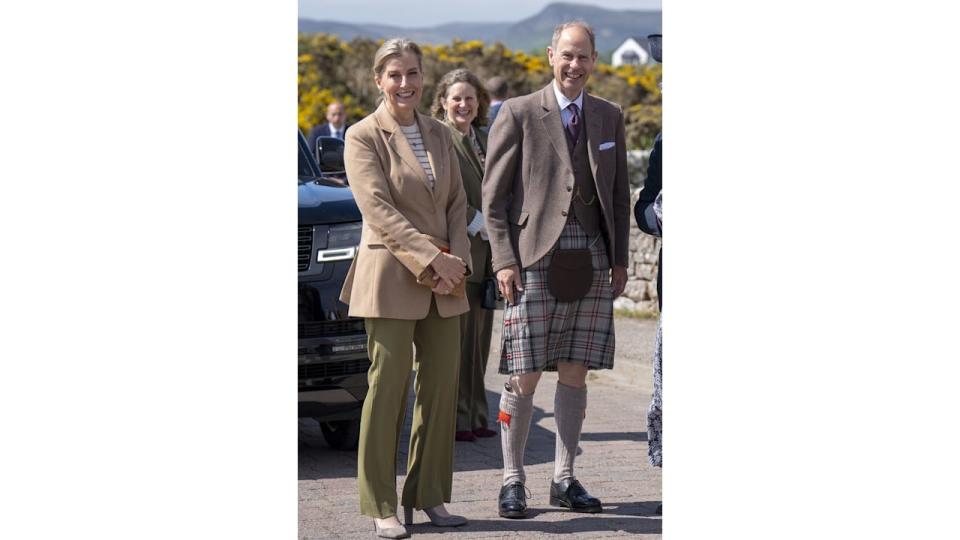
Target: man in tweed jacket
x=556 y=178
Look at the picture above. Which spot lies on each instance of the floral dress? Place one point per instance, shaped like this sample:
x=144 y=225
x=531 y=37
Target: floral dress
x=655 y=412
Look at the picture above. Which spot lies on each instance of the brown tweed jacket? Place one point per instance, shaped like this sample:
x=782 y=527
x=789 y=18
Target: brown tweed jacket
x=528 y=182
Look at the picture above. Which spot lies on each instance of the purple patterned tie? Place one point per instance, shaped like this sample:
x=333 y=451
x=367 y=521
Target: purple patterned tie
x=573 y=125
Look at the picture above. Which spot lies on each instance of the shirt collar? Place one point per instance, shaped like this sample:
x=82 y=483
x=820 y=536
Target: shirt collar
x=562 y=99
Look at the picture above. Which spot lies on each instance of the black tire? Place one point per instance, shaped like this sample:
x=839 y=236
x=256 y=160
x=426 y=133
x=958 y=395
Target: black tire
x=341 y=434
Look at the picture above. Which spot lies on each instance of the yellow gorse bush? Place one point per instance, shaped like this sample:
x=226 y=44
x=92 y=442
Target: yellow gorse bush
x=330 y=69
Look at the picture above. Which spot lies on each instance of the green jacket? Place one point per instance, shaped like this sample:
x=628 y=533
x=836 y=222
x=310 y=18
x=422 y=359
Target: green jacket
x=472 y=174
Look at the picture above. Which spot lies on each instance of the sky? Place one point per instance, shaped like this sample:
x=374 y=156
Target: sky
x=420 y=13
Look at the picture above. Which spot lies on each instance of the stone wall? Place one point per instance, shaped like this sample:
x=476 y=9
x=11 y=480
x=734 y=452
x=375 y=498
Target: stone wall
x=640 y=295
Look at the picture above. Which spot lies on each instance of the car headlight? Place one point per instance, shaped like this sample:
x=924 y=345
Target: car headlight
x=342 y=242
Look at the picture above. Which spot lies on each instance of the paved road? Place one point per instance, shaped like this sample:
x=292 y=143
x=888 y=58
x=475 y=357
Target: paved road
x=613 y=464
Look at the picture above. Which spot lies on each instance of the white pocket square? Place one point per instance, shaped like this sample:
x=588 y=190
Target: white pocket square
x=606 y=145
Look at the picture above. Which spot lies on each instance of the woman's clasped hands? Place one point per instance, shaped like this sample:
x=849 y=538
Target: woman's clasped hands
x=448 y=272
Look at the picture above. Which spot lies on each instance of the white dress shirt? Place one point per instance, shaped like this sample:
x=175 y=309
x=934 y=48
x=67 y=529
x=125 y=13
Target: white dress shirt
x=563 y=101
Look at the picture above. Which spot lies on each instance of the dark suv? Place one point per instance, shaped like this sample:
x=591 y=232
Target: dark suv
x=332 y=357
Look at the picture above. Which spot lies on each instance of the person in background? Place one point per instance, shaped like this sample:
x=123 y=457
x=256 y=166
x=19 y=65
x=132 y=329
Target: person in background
x=462 y=102
x=414 y=253
x=649 y=215
x=336 y=126
x=643 y=211
x=556 y=189
x=498 y=88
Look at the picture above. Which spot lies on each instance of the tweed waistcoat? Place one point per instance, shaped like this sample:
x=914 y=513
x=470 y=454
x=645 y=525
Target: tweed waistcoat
x=584 y=203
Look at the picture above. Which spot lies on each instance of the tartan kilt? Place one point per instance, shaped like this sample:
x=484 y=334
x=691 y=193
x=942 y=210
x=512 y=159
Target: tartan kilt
x=539 y=331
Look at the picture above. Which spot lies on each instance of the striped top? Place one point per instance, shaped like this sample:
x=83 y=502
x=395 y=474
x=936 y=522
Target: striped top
x=412 y=133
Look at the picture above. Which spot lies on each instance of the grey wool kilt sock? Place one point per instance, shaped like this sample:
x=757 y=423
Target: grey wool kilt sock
x=569 y=405
x=514 y=419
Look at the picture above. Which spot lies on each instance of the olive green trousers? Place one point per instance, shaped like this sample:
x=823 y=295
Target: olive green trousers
x=430 y=458
x=476 y=327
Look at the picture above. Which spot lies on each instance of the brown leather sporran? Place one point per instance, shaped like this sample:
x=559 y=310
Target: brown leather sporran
x=570 y=274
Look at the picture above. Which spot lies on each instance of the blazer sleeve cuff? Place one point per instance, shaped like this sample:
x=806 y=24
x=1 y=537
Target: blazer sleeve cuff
x=472 y=214
x=505 y=264
x=649 y=221
x=475 y=223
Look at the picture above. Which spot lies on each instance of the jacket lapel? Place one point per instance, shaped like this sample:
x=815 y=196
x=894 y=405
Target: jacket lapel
x=433 y=142
x=482 y=139
x=465 y=147
x=594 y=129
x=553 y=124
x=398 y=143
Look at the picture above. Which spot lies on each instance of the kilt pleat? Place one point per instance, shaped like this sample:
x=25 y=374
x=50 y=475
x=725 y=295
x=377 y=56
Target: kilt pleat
x=538 y=331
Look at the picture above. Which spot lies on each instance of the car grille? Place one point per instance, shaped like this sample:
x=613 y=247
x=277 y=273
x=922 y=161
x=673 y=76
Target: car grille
x=305 y=247
x=331 y=328
x=334 y=369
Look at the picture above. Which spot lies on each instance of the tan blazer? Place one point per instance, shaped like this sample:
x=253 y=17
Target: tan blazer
x=528 y=182
x=402 y=218
x=472 y=174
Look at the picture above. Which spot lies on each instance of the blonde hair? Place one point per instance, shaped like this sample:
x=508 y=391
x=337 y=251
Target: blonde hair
x=393 y=48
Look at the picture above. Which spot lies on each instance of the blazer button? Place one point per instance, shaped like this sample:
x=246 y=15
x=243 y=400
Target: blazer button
x=563 y=213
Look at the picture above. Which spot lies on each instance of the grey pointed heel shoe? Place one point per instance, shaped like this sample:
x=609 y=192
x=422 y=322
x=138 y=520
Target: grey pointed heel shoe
x=444 y=521
x=435 y=519
x=391 y=532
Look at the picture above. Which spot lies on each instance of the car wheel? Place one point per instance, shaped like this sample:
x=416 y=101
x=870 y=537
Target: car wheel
x=341 y=434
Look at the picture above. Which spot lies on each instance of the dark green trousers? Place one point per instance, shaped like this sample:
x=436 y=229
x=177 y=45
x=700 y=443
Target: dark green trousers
x=430 y=459
x=476 y=327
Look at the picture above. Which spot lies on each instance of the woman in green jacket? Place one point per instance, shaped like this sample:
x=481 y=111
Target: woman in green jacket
x=462 y=102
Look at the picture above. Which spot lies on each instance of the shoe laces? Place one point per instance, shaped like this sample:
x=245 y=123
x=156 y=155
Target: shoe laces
x=517 y=489
x=576 y=488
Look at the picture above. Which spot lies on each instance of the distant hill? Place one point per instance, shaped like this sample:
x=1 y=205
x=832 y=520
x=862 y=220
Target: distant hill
x=612 y=27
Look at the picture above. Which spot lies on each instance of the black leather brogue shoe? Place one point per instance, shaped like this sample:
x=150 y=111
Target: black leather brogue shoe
x=570 y=494
x=513 y=501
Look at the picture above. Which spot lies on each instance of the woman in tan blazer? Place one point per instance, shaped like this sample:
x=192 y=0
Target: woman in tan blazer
x=461 y=102
x=407 y=281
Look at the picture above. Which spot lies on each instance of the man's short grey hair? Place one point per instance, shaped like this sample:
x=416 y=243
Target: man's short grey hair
x=582 y=24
